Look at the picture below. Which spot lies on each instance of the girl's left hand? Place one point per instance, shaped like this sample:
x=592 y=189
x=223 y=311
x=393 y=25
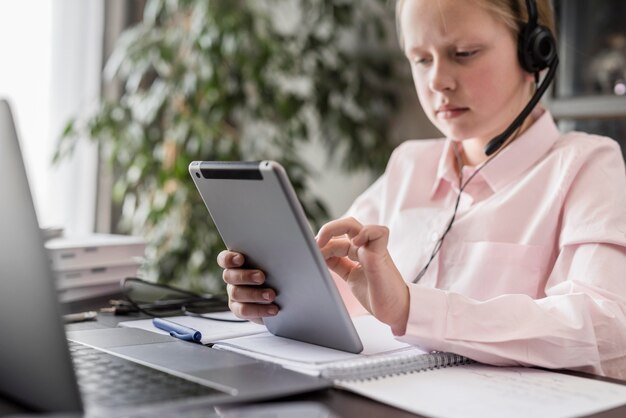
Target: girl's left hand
x=358 y=254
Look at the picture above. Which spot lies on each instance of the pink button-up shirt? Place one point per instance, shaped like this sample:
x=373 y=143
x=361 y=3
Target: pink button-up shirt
x=533 y=271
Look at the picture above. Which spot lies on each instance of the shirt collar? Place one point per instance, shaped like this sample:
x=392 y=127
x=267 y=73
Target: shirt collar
x=446 y=171
x=512 y=161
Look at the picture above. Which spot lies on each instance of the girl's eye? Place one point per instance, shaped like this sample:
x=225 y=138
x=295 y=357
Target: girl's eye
x=465 y=54
x=420 y=60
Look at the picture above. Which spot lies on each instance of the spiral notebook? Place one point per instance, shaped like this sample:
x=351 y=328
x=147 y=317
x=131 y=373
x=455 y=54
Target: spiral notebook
x=422 y=382
x=481 y=391
x=382 y=354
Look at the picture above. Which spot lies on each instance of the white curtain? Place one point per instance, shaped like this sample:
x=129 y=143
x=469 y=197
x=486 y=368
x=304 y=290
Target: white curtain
x=77 y=37
x=50 y=70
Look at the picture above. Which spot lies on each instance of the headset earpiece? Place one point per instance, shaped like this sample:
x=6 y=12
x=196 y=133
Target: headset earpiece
x=536 y=46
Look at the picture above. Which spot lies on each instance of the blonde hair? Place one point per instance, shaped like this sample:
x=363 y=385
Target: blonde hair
x=513 y=13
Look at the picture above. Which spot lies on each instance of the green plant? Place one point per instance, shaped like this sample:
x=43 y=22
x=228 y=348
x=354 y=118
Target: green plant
x=234 y=80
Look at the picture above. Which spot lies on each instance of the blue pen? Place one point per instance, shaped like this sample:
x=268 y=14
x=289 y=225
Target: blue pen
x=176 y=330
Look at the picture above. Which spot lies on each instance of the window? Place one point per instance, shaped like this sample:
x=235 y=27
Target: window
x=50 y=70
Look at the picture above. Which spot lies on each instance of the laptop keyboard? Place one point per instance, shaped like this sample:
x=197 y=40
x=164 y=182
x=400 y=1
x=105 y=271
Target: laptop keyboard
x=110 y=381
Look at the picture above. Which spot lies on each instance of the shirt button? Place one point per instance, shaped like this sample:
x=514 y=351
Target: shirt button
x=434 y=237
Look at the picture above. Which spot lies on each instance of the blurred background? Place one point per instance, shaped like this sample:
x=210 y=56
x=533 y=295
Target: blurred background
x=114 y=98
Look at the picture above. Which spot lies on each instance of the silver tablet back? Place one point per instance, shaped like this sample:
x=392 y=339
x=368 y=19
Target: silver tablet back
x=258 y=214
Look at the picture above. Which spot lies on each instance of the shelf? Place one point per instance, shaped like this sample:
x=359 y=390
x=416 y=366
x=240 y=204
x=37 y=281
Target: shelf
x=588 y=107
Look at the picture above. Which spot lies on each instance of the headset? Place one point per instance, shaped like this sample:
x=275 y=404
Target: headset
x=536 y=51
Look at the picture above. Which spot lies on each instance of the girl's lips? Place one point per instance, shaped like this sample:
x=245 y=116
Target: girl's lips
x=450 y=112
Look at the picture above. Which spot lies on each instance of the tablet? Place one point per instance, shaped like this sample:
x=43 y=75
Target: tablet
x=257 y=213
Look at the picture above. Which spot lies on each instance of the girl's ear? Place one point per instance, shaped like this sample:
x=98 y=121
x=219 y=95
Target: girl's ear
x=530 y=77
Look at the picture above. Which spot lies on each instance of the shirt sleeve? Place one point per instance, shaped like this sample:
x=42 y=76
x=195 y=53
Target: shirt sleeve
x=581 y=322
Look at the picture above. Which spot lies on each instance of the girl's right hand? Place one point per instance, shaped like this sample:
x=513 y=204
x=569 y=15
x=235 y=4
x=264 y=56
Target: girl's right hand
x=247 y=297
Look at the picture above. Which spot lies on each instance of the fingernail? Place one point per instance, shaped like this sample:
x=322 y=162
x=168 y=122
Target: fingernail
x=266 y=295
x=238 y=259
x=272 y=311
x=257 y=277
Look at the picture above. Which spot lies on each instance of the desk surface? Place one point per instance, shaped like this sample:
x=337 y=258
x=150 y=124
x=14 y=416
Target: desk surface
x=328 y=403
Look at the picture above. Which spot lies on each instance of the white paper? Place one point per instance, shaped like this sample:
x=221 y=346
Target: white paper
x=479 y=391
x=375 y=336
x=285 y=348
x=308 y=358
x=211 y=330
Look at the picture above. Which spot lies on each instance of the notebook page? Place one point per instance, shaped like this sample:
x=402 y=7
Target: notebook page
x=480 y=391
x=308 y=358
x=375 y=336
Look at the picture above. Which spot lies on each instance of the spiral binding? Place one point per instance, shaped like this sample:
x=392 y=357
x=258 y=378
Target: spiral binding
x=385 y=367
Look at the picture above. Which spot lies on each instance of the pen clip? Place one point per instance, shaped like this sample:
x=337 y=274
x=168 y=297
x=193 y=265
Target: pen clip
x=193 y=337
x=177 y=330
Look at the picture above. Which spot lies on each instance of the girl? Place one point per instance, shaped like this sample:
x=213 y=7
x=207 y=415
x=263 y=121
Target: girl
x=532 y=270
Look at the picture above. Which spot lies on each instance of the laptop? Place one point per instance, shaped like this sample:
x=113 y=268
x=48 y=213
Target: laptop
x=46 y=370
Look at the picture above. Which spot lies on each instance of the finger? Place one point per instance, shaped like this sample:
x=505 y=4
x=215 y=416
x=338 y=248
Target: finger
x=341 y=266
x=340 y=248
x=230 y=259
x=336 y=228
x=246 y=294
x=243 y=277
x=252 y=311
x=374 y=237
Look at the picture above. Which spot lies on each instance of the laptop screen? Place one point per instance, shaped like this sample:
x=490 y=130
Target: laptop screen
x=35 y=365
